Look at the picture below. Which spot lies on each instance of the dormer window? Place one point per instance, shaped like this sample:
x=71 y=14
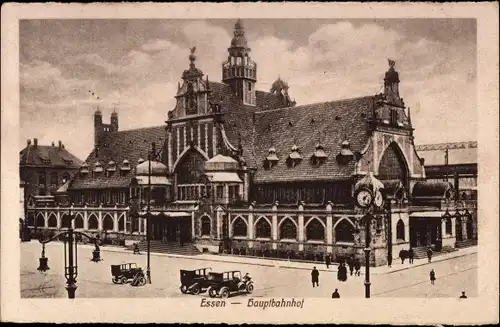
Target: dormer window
x=140 y=161
x=295 y=157
x=272 y=159
x=84 y=169
x=125 y=165
x=111 y=167
x=68 y=161
x=98 y=167
x=319 y=156
x=345 y=154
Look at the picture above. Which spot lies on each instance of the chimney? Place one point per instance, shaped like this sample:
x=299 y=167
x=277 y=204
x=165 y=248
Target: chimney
x=35 y=142
x=29 y=142
x=60 y=144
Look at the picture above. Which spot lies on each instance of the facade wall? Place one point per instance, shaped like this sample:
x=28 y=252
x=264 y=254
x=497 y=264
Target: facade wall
x=44 y=180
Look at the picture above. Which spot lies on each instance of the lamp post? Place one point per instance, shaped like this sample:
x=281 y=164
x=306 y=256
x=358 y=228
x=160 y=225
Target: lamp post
x=368 y=196
x=70 y=255
x=153 y=155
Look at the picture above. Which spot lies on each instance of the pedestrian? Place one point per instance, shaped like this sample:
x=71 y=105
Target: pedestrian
x=411 y=255
x=429 y=254
x=336 y=295
x=389 y=261
x=315 y=277
x=432 y=276
x=328 y=261
x=350 y=263
x=136 y=248
x=357 y=267
x=463 y=296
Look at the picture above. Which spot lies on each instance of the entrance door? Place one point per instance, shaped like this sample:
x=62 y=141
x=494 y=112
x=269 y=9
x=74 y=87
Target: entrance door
x=171 y=229
x=458 y=229
x=157 y=227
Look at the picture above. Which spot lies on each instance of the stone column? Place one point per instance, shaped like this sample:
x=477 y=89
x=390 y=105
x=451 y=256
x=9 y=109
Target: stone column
x=250 y=225
x=58 y=216
x=329 y=228
x=85 y=219
x=99 y=225
x=274 y=227
x=46 y=219
x=193 y=231
x=115 y=220
x=453 y=226
x=301 y=227
x=219 y=223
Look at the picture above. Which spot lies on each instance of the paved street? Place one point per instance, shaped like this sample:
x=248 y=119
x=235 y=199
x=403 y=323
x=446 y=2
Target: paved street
x=94 y=279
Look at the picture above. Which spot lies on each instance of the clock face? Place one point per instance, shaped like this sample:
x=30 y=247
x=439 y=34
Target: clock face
x=379 y=199
x=364 y=198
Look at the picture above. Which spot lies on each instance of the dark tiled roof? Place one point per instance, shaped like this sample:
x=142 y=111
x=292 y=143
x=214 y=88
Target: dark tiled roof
x=333 y=122
x=238 y=117
x=116 y=146
x=101 y=182
x=431 y=189
x=46 y=155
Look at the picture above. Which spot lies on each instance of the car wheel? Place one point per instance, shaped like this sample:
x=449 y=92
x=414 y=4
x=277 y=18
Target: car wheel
x=195 y=290
x=212 y=292
x=115 y=280
x=123 y=280
x=184 y=289
x=250 y=288
x=224 y=293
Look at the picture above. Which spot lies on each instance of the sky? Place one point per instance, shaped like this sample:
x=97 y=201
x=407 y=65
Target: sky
x=133 y=67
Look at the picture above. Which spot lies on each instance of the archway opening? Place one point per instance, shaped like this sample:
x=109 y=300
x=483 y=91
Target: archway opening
x=344 y=231
x=263 y=228
x=288 y=230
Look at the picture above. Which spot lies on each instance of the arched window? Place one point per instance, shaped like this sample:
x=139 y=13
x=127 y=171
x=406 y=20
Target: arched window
x=93 y=222
x=41 y=178
x=447 y=225
x=468 y=227
x=40 y=221
x=66 y=221
x=315 y=230
x=400 y=230
x=344 y=231
x=121 y=226
x=53 y=179
x=52 y=221
x=263 y=228
x=107 y=223
x=239 y=227
x=458 y=228
x=205 y=226
x=78 y=222
x=288 y=230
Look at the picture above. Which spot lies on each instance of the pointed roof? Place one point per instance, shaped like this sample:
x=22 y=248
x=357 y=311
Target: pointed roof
x=48 y=156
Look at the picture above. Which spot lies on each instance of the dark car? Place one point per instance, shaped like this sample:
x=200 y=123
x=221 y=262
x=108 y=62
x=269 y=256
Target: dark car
x=223 y=284
x=194 y=281
x=126 y=271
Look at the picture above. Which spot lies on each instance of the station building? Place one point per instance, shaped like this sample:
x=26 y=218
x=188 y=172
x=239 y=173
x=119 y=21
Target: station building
x=248 y=172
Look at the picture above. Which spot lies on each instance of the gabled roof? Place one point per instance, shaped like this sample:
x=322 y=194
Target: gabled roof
x=46 y=155
x=333 y=122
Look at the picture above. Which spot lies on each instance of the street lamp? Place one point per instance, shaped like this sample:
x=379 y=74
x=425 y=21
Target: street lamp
x=368 y=196
x=153 y=155
x=70 y=255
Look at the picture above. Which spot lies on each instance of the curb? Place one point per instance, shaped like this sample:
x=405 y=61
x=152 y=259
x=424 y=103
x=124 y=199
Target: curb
x=374 y=272
x=428 y=263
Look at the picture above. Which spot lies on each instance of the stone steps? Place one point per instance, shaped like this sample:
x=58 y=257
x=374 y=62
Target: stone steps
x=465 y=243
x=168 y=247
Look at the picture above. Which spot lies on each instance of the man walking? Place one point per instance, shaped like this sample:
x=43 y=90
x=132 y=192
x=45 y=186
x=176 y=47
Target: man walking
x=315 y=277
x=357 y=267
x=336 y=295
x=328 y=261
x=350 y=263
x=432 y=276
x=429 y=254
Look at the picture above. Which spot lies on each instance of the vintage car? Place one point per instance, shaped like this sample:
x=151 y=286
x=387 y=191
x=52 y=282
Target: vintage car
x=124 y=272
x=194 y=281
x=223 y=284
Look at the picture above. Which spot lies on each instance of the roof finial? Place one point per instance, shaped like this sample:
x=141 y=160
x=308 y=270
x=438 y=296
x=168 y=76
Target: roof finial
x=192 y=57
x=392 y=63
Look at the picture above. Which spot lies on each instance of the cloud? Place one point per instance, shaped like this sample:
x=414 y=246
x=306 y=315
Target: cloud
x=336 y=60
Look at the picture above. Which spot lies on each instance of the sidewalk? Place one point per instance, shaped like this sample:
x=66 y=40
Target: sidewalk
x=396 y=266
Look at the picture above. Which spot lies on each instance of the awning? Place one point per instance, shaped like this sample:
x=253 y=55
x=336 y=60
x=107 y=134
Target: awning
x=155 y=180
x=224 y=177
